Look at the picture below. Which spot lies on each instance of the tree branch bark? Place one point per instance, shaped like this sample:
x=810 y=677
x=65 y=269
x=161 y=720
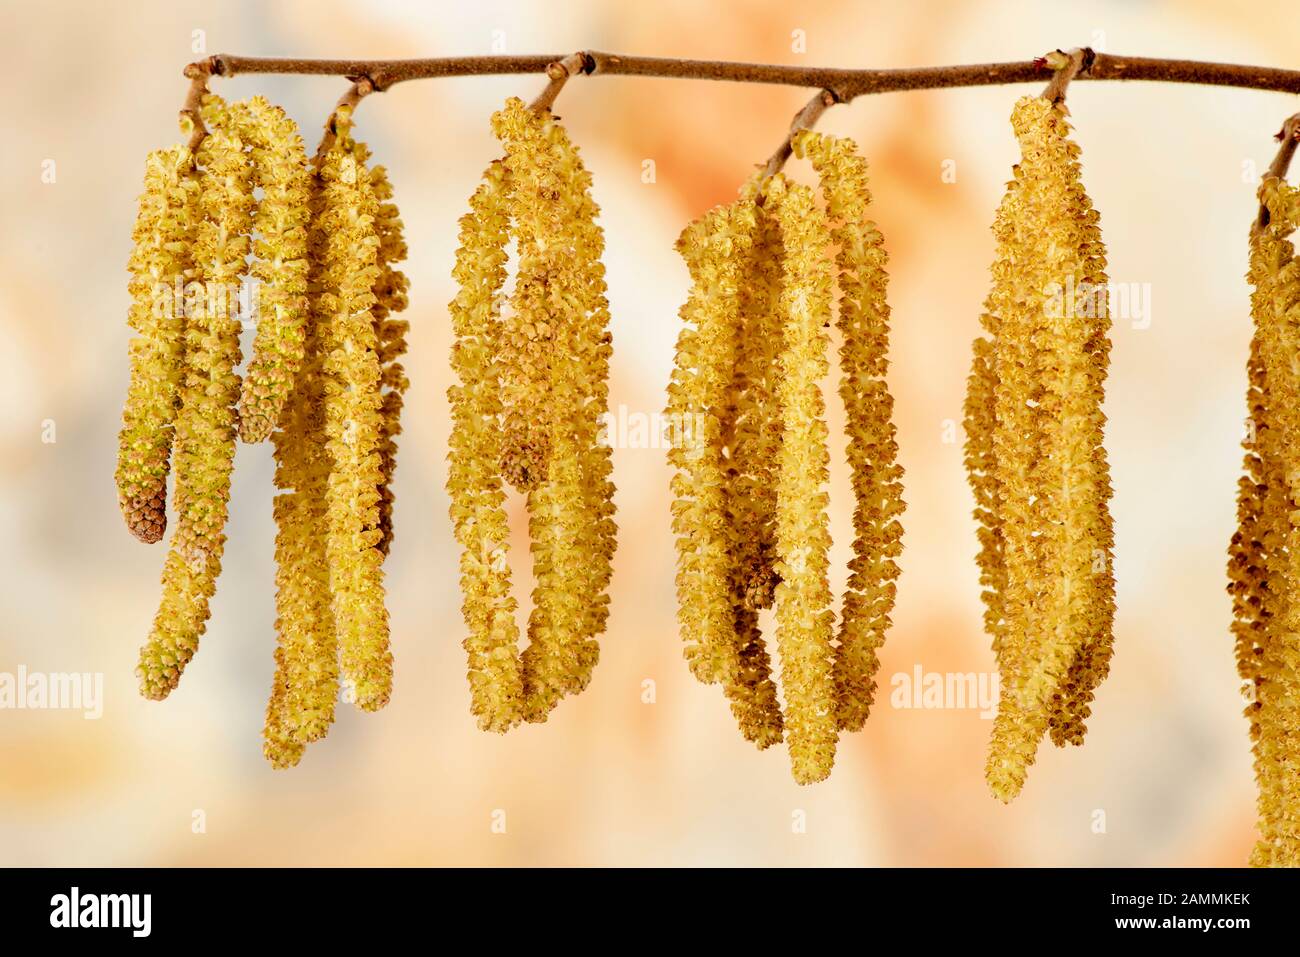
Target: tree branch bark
x=846 y=84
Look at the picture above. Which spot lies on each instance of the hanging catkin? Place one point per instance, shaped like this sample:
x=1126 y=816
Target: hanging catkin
x=1264 y=569
x=712 y=248
x=348 y=247
x=474 y=478
x=713 y=430
x=553 y=348
x=306 y=683
x=804 y=619
x=1037 y=466
x=390 y=297
x=160 y=264
x=877 y=478
x=751 y=434
x=205 y=422
x=281 y=225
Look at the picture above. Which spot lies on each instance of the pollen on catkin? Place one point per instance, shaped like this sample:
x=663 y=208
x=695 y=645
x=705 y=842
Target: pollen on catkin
x=205 y=422
x=306 y=683
x=1034 y=451
x=872 y=450
x=160 y=264
x=804 y=619
x=353 y=404
x=546 y=376
x=474 y=480
x=280 y=267
x=1264 y=568
x=390 y=297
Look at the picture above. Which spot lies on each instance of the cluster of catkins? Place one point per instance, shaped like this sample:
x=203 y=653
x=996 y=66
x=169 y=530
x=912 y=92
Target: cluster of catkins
x=746 y=421
x=245 y=211
x=1034 y=452
x=1264 y=566
x=533 y=369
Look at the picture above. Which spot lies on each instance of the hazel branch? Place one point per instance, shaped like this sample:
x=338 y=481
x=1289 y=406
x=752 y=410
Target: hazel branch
x=191 y=114
x=559 y=73
x=846 y=84
x=805 y=119
x=1067 y=67
x=1289 y=137
x=360 y=89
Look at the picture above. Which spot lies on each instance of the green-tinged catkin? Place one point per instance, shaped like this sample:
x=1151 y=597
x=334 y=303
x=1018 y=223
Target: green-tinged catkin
x=474 y=479
x=1270 y=657
x=280 y=225
x=712 y=248
x=390 y=297
x=306 y=683
x=1049 y=540
x=804 y=619
x=872 y=450
x=353 y=405
x=205 y=423
x=160 y=264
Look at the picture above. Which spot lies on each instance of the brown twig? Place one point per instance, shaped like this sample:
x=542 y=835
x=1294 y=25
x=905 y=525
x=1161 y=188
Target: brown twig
x=805 y=119
x=360 y=89
x=1068 y=66
x=1289 y=137
x=191 y=113
x=845 y=84
x=559 y=73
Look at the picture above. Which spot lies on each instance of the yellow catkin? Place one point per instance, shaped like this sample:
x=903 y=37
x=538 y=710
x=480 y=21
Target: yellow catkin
x=751 y=433
x=160 y=265
x=712 y=248
x=390 y=297
x=1049 y=541
x=554 y=350
x=872 y=449
x=1268 y=616
x=474 y=481
x=591 y=346
x=714 y=530
x=281 y=226
x=527 y=350
x=205 y=423
x=306 y=683
x=804 y=618
x=353 y=418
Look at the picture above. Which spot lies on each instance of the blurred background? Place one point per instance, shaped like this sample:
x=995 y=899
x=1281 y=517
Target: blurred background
x=1165 y=775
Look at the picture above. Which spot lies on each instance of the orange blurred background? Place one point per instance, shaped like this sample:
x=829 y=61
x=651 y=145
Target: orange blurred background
x=610 y=779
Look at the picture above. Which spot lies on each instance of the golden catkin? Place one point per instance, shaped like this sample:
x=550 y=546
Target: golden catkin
x=590 y=346
x=306 y=683
x=751 y=434
x=474 y=480
x=348 y=245
x=804 y=619
x=1038 y=382
x=281 y=226
x=390 y=297
x=160 y=265
x=872 y=449
x=553 y=361
x=1267 y=613
x=712 y=248
x=205 y=423
x=527 y=350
